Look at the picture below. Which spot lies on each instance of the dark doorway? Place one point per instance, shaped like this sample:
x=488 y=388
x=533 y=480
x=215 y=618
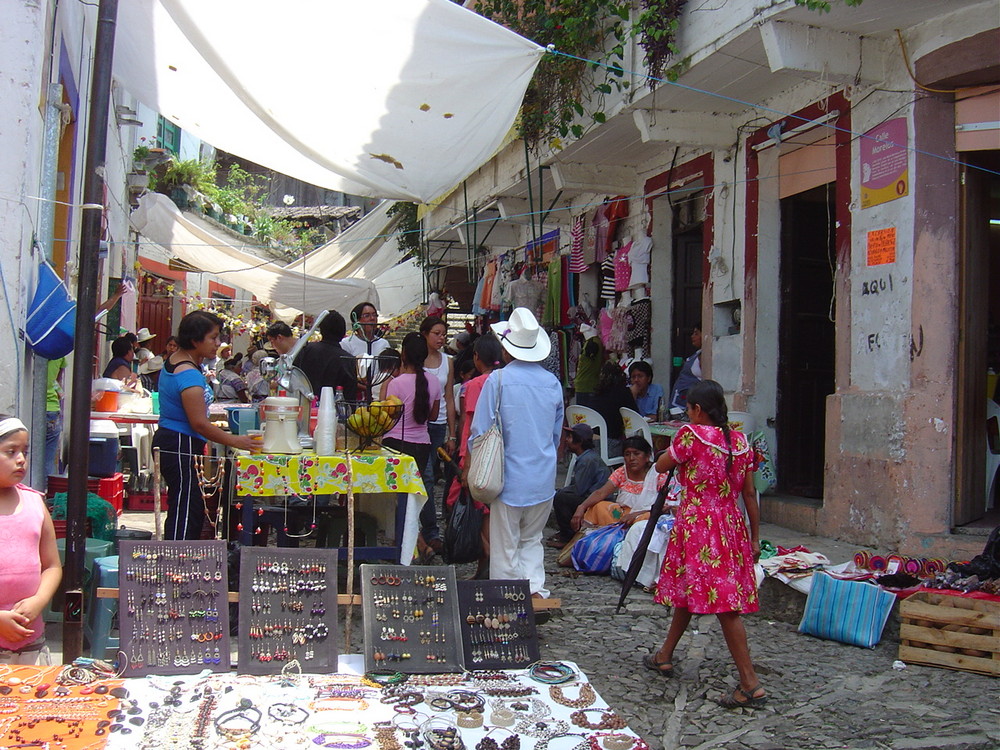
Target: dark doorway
x=978 y=355
x=806 y=347
x=686 y=313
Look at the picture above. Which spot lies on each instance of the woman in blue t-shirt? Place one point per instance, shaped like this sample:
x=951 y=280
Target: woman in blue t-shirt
x=184 y=424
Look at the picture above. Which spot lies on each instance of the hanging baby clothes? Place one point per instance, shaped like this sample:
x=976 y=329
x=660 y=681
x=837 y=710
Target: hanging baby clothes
x=576 y=261
x=567 y=300
x=618 y=337
x=552 y=362
x=604 y=324
x=553 y=296
x=623 y=270
x=638 y=258
x=601 y=225
x=640 y=328
x=477 y=308
x=524 y=292
x=616 y=213
x=490 y=280
x=608 y=279
x=504 y=265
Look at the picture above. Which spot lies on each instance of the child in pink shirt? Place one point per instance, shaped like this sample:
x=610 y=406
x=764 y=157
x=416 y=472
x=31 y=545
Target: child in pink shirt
x=30 y=570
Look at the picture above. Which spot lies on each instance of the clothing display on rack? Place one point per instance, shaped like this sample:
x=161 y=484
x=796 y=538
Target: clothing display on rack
x=638 y=258
x=608 y=279
x=640 y=327
x=618 y=337
x=623 y=268
x=577 y=264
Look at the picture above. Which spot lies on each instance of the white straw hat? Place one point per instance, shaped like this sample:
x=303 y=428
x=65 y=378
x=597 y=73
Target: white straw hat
x=143 y=334
x=522 y=337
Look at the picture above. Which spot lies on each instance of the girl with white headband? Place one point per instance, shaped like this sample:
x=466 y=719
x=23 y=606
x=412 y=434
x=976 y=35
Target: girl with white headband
x=30 y=570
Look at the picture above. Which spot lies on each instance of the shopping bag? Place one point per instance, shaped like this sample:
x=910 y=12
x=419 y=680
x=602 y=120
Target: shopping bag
x=851 y=612
x=594 y=553
x=462 y=540
x=486 y=459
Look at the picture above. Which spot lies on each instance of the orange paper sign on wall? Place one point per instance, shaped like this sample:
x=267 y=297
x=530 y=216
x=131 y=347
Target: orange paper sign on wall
x=882 y=246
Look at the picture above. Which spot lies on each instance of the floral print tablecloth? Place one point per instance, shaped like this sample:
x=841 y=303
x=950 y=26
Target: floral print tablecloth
x=309 y=474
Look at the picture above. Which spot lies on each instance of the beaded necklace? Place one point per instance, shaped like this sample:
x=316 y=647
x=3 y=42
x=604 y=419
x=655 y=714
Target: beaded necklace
x=609 y=719
x=586 y=697
x=208 y=488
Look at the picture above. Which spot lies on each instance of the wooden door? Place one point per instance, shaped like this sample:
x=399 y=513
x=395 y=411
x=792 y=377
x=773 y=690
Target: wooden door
x=155 y=310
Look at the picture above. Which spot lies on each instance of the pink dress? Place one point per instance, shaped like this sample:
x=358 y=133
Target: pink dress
x=21 y=567
x=709 y=563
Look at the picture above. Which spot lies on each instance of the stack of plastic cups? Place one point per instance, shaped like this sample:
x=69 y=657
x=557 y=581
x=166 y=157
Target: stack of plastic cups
x=326 y=424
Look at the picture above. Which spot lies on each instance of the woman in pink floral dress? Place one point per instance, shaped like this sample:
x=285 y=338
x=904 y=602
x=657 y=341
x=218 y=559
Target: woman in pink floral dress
x=710 y=557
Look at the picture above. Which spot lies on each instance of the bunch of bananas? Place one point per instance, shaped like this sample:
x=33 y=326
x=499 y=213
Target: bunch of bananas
x=377 y=419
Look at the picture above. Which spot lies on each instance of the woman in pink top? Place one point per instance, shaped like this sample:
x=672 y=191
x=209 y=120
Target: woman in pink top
x=30 y=570
x=421 y=396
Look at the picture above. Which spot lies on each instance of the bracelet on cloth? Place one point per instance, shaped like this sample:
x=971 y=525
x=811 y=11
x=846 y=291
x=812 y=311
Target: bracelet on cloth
x=502 y=717
x=551 y=672
x=469 y=719
x=616 y=741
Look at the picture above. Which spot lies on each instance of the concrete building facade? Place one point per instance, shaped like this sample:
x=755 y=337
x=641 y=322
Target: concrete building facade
x=822 y=185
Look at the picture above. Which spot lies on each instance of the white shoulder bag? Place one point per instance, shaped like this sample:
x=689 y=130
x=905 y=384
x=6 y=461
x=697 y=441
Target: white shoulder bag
x=486 y=458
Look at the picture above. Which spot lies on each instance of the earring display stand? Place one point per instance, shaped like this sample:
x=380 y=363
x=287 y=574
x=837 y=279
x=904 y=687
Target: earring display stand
x=173 y=609
x=411 y=619
x=498 y=624
x=288 y=600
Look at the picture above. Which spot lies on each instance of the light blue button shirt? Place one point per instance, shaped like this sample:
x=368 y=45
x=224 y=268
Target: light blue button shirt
x=647 y=404
x=531 y=411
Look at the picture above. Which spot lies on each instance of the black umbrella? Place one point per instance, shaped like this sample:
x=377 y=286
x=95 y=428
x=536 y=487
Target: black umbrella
x=647 y=533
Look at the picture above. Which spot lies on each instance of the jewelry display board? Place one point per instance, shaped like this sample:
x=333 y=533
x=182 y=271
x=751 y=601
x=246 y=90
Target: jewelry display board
x=288 y=609
x=498 y=624
x=411 y=619
x=173 y=609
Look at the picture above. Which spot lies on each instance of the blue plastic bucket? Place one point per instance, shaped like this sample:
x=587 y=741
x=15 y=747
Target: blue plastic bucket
x=51 y=322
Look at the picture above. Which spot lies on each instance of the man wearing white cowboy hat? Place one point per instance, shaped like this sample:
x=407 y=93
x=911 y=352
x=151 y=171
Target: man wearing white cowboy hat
x=531 y=412
x=142 y=354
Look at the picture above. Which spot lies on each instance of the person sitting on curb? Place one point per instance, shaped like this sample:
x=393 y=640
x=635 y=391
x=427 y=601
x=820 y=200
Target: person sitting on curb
x=589 y=474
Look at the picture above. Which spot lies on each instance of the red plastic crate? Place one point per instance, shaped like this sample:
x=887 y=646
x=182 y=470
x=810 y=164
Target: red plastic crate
x=111 y=489
x=144 y=501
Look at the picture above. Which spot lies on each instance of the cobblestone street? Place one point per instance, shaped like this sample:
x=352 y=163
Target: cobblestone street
x=822 y=694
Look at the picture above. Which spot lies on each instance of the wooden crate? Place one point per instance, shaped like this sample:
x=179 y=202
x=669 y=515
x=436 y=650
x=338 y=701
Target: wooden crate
x=954 y=632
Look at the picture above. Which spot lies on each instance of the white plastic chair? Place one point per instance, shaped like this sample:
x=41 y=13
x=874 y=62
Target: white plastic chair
x=992 y=459
x=635 y=424
x=586 y=415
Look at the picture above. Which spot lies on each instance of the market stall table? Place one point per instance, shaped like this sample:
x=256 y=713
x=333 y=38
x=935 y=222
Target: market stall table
x=308 y=475
x=343 y=710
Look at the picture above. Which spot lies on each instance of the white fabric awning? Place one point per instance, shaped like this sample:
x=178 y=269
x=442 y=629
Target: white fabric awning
x=192 y=240
x=389 y=98
x=366 y=250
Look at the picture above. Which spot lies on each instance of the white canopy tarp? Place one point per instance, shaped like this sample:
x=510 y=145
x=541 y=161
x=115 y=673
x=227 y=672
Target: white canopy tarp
x=193 y=241
x=389 y=98
x=366 y=250
x=400 y=289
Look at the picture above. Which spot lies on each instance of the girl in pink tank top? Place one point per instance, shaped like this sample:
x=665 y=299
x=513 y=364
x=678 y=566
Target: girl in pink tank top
x=30 y=570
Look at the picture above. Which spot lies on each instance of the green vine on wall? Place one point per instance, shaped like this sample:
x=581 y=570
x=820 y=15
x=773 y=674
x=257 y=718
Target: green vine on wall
x=408 y=234
x=656 y=28
x=824 y=6
x=559 y=93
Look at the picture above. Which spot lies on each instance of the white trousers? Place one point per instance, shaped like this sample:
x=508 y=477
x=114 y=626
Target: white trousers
x=516 y=550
